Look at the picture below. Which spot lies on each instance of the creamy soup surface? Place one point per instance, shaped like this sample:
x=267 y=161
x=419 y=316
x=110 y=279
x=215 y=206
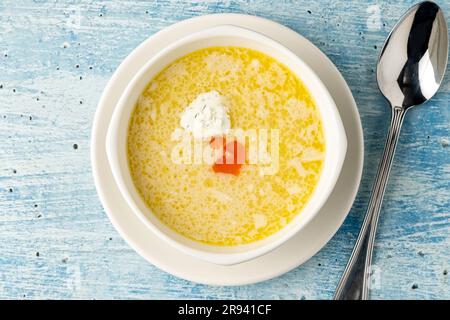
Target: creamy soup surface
x=217 y=208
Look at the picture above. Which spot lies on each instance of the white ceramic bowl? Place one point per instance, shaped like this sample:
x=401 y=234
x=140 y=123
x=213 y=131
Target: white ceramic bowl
x=226 y=35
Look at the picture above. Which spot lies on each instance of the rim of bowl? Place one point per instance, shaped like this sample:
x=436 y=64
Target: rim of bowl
x=271 y=242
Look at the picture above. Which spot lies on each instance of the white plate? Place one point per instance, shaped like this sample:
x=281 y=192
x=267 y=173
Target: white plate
x=290 y=255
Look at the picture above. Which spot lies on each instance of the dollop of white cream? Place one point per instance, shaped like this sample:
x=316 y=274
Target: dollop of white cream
x=206 y=116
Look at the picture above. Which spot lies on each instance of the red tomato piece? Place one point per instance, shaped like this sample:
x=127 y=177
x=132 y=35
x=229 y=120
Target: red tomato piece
x=233 y=156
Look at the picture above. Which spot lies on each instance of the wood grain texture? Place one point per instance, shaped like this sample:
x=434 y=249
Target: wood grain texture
x=55 y=239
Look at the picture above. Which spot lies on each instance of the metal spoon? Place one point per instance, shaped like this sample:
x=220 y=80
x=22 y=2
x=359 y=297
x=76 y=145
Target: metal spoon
x=409 y=72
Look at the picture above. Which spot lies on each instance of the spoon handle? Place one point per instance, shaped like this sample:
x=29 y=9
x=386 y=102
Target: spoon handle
x=354 y=282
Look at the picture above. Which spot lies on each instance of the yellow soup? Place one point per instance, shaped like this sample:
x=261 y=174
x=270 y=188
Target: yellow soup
x=217 y=208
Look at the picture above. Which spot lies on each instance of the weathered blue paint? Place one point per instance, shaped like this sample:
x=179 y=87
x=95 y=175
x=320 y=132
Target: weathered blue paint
x=55 y=59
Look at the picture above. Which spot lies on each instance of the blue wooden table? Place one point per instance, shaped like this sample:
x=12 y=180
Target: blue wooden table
x=55 y=239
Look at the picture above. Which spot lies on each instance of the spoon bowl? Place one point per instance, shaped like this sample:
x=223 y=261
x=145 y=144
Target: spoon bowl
x=413 y=59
